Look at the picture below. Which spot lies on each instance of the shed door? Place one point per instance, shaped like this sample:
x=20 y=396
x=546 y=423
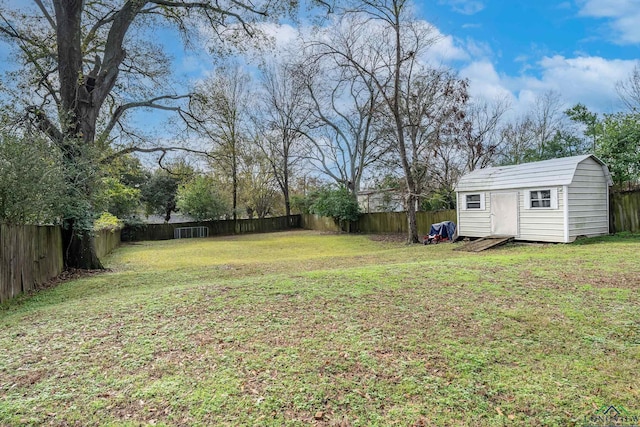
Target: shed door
x=504 y=214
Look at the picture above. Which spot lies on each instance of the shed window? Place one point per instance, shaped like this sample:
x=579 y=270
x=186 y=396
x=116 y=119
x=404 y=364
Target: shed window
x=474 y=201
x=542 y=199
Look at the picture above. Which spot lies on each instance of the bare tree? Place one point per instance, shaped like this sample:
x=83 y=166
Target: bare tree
x=536 y=135
x=345 y=136
x=547 y=115
x=629 y=90
x=448 y=165
x=519 y=140
x=482 y=142
x=475 y=142
x=260 y=189
x=435 y=110
x=87 y=63
x=382 y=40
x=220 y=113
x=282 y=123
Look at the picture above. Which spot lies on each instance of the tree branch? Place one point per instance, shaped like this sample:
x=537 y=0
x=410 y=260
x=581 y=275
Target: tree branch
x=151 y=103
x=163 y=150
x=45 y=125
x=23 y=41
x=46 y=14
x=207 y=6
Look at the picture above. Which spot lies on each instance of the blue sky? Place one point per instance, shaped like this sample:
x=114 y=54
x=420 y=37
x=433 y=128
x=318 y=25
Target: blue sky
x=520 y=49
x=518 y=31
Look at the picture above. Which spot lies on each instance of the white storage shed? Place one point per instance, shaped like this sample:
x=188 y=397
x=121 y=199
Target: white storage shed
x=548 y=201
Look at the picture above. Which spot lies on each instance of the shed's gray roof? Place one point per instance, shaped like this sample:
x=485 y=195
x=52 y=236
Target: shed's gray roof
x=527 y=175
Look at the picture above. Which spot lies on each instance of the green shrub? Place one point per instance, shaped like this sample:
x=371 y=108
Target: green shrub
x=120 y=200
x=107 y=221
x=200 y=200
x=32 y=187
x=338 y=204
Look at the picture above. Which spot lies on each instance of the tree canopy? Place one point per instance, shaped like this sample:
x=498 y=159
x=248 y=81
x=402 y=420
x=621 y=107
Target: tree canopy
x=86 y=64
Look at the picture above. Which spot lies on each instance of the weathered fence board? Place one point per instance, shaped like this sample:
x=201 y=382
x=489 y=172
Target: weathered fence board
x=625 y=211
x=29 y=256
x=381 y=222
x=319 y=223
x=396 y=222
x=106 y=241
x=216 y=228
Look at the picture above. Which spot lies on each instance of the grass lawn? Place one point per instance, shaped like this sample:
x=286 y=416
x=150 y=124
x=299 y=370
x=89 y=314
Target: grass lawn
x=303 y=328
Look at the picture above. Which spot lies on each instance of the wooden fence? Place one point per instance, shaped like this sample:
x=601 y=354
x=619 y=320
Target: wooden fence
x=29 y=256
x=216 y=228
x=396 y=222
x=625 y=211
x=381 y=222
x=318 y=223
x=106 y=241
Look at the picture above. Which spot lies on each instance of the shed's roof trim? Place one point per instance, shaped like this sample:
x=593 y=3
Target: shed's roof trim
x=527 y=175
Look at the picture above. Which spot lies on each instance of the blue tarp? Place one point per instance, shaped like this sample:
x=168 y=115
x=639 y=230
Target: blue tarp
x=444 y=229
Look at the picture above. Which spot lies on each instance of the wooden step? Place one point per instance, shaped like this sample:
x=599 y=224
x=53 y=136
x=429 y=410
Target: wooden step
x=484 y=243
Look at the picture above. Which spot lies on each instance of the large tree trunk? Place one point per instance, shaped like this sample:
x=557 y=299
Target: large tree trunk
x=285 y=187
x=287 y=203
x=234 y=176
x=81 y=97
x=400 y=129
x=79 y=249
x=411 y=219
x=78 y=238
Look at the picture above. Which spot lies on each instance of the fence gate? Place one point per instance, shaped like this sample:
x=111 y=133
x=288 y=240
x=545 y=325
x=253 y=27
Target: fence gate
x=190 y=232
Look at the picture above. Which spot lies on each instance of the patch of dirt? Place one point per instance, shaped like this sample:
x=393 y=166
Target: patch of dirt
x=27 y=379
x=604 y=280
x=71 y=274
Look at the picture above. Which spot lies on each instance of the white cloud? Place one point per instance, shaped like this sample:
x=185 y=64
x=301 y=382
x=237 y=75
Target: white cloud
x=581 y=78
x=466 y=7
x=624 y=16
x=193 y=65
x=280 y=35
x=446 y=50
x=478 y=49
x=485 y=82
x=585 y=79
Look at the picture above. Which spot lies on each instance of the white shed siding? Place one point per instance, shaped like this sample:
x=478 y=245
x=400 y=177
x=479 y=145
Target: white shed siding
x=474 y=222
x=579 y=185
x=542 y=225
x=588 y=201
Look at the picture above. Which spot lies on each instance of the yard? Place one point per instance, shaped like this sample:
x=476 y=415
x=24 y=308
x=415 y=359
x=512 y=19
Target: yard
x=303 y=328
